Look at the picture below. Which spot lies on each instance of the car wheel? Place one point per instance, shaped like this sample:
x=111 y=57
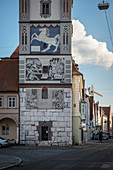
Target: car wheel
x=0 y=145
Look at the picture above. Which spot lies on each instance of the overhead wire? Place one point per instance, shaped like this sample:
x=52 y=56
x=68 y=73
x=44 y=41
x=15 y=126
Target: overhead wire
x=109 y=28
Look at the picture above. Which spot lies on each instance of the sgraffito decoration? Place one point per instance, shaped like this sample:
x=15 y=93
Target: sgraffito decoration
x=45 y=39
x=31 y=99
x=33 y=69
x=58 y=99
x=55 y=71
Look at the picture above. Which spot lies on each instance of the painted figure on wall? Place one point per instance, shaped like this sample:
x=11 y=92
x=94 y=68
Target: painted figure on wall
x=52 y=71
x=45 y=39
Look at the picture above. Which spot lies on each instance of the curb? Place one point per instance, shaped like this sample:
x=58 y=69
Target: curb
x=13 y=165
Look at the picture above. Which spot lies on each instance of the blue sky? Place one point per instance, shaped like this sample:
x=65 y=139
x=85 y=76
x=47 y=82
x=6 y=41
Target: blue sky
x=94 y=23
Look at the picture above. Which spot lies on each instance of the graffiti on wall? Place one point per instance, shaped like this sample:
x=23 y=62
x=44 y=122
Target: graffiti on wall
x=35 y=70
x=45 y=39
x=58 y=99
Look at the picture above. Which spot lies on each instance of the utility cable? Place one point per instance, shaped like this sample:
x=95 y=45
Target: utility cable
x=109 y=28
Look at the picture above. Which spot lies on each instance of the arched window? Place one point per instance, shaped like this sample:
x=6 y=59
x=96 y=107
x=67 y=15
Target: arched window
x=44 y=93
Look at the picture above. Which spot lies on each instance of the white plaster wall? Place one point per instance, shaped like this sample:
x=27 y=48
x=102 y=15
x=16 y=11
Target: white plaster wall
x=61 y=121
x=35 y=10
x=76 y=95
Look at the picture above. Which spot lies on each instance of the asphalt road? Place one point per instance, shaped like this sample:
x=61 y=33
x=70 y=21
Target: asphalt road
x=91 y=156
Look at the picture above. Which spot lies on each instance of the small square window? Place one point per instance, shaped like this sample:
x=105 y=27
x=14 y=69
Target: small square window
x=45 y=69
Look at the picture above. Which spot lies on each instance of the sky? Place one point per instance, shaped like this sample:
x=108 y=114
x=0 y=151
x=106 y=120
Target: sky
x=92 y=48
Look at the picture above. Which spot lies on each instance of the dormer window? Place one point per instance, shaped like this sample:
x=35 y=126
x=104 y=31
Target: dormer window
x=45 y=8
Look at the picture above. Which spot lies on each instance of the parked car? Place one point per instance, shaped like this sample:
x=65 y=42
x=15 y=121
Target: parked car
x=3 y=142
x=105 y=136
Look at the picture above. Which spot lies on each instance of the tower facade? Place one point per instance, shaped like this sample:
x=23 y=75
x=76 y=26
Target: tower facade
x=45 y=30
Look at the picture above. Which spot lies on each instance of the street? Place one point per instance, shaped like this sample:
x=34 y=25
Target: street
x=93 y=155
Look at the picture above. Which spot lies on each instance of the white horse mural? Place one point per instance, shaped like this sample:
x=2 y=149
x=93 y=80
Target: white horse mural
x=44 y=37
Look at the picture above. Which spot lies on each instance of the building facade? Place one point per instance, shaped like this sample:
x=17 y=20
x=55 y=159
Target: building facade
x=9 y=97
x=45 y=30
x=78 y=110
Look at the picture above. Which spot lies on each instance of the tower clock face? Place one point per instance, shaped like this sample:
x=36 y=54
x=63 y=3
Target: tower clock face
x=45 y=39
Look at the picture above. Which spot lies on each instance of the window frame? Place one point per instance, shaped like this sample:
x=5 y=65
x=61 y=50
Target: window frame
x=12 y=97
x=42 y=13
x=1 y=102
x=5 y=131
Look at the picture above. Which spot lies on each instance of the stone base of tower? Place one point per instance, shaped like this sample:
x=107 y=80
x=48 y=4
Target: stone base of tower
x=48 y=121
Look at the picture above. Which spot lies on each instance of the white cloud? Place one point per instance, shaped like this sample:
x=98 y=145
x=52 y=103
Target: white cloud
x=87 y=50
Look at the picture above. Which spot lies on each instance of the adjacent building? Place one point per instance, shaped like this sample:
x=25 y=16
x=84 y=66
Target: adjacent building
x=9 y=97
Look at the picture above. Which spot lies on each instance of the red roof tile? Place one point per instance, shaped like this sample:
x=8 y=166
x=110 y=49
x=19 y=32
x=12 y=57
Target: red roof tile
x=106 y=110
x=9 y=74
x=75 y=69
x=15 y=54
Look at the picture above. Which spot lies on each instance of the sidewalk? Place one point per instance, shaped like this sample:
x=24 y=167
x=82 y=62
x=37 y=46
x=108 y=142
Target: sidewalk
x=9 y=161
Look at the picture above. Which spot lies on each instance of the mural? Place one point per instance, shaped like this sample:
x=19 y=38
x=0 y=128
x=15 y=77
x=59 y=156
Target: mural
x=34 y=70
x=58 y=99
x=45 y=39
x=31 y=99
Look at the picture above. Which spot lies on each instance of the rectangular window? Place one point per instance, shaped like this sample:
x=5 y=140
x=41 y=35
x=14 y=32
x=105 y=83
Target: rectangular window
x=11 y=102
x=45 y=69
x=45 y=9
x=1 y=102
x=44 y=93
x=5 y=130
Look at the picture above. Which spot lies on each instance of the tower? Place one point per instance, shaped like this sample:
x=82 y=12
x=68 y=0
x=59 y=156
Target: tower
x=45 y=30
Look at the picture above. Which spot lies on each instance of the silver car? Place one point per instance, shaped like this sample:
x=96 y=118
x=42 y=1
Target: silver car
x=3 y=142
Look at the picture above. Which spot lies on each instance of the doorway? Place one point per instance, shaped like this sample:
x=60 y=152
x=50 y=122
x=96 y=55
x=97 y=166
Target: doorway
x=44 y=133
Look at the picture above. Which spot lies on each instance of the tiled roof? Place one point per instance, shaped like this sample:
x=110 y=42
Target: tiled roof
x=75 y=69
x=15 y=54
x=106 y=110
x=9 y=74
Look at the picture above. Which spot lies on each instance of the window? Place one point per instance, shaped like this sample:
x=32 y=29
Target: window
x=45 y=69
x=45 y=8
x=5 y=130
x=11 y=102
x=44 y=93
x=1 y=102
